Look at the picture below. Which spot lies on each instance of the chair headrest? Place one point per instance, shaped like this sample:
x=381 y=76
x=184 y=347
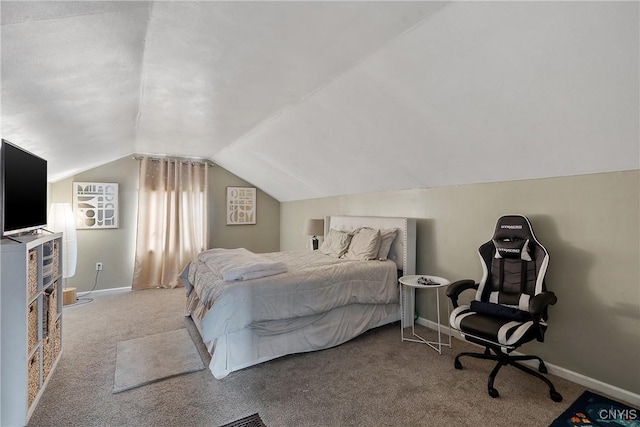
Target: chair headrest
x=512 y=237
x=513 y=227
x=512 y=249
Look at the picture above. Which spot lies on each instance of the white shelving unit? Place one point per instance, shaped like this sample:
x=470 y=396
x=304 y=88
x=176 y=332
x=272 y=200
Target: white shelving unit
x=31 y=331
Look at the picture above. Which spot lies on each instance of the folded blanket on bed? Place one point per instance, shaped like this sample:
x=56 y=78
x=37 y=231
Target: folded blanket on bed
x=240 y=264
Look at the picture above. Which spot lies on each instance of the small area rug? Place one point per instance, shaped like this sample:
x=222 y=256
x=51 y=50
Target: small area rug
x=250 y=421
x=141 y=361
x=591 y=409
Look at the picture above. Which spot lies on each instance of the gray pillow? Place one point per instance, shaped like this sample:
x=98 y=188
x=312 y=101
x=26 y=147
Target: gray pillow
x=386 y=239
x=364 y=245
x=335 y=243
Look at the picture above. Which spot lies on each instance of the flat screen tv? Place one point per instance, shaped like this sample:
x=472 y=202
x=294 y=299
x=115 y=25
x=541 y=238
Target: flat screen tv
x=24 y=190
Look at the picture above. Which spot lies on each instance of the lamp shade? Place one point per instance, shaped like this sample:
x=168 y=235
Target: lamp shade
x=61 y=219
x=314 y=227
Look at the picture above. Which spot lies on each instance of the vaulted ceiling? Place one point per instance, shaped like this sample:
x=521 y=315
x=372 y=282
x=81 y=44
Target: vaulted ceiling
x=314 y=99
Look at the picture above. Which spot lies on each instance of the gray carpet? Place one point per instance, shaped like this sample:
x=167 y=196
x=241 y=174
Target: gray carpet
x=374 y=379
x=141 y=361
x=250 y=421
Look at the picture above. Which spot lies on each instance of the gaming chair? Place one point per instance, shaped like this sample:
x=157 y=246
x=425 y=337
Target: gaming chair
x=511 y=300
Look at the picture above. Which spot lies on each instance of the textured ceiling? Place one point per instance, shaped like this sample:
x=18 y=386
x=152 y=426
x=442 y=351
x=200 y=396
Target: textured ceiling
x=314 y=99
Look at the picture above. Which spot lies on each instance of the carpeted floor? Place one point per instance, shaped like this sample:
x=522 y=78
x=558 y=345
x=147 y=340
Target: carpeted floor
x=253 y=420
x=373 y=380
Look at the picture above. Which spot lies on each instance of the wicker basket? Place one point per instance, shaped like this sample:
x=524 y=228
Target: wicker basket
x=32 y=276
x=32 y=325
x=53 y=307
x=56 y=259
x=47 y=359
x=57 y=340
x=34 y=378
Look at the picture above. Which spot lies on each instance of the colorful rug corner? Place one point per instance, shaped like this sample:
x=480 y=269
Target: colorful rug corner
x=591 y=409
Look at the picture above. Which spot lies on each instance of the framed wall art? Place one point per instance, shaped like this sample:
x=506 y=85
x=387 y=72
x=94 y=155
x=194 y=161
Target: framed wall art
x=95 y=205
x=241 y=205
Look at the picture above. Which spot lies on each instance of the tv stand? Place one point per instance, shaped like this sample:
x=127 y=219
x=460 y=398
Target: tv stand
x=27 y=234
x=31 y=323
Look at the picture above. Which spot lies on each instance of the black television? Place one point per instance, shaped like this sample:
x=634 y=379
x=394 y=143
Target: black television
x=24 y=190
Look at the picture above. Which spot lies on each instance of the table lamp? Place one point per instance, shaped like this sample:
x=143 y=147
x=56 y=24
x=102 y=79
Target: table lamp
x=314 y=228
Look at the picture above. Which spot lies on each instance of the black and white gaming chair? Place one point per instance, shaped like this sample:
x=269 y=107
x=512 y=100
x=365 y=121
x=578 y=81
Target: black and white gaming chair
x=510 y=304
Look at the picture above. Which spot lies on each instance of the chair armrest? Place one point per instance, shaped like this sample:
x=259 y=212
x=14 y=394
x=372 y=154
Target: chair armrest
x=456 y=288
x=539 y=303
x=538 y=308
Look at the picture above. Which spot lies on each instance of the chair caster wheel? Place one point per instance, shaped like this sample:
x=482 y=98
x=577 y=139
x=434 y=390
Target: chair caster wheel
x=493 y=392
x=555 y=396
x=542 y=368
x=457 y=364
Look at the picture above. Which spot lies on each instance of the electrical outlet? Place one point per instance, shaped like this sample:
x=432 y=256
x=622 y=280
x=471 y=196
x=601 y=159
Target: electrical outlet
x=98 y=266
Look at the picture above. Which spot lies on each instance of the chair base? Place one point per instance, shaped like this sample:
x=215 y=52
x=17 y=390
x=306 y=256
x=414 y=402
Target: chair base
x=504 y=359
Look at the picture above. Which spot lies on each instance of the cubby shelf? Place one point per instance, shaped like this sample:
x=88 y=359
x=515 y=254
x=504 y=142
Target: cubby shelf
x=31 y=331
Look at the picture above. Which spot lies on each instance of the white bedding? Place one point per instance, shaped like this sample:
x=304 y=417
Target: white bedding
x=320 y=302
x=314 y=284
x=240 y=264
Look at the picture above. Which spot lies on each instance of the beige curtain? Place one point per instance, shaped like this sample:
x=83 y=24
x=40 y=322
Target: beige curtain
x=172 y=220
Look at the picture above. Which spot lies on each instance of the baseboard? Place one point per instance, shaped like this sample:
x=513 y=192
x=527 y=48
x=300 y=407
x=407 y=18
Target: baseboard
x=106 y=291
x=583 y=380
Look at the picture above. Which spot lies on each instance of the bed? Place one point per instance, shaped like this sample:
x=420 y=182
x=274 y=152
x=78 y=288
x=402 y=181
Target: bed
x=318 y=301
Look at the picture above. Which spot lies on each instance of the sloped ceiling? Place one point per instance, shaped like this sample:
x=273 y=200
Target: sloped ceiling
x=314 y=99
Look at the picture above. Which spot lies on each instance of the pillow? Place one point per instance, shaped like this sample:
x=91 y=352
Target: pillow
x=336 y=243
x=498 y=310
x=512 y=249
x=386 y=239
x=364 y=245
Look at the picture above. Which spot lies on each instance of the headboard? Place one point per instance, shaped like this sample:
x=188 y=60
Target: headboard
x=403 y=248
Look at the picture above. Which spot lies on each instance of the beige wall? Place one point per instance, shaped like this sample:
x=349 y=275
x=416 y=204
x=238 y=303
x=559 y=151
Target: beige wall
x=589 y=224
x=262 y=237
x=115 y=248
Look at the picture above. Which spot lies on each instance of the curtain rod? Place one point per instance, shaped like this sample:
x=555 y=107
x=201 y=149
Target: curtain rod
x=157 y=158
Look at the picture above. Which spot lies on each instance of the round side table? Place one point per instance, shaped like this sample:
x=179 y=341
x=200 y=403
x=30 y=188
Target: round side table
x=408 y=286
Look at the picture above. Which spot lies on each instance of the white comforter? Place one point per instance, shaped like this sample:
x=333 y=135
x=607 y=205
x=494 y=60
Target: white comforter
x=314 y=284
x=240 y=264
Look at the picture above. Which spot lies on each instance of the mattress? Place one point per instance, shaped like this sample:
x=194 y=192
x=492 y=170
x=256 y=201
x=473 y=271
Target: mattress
x=250 y=346
x=315 y=283
x=318 y=303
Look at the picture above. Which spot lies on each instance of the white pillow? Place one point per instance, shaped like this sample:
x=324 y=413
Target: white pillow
x=335 y=243
x=364 y=245
x=386 y=239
